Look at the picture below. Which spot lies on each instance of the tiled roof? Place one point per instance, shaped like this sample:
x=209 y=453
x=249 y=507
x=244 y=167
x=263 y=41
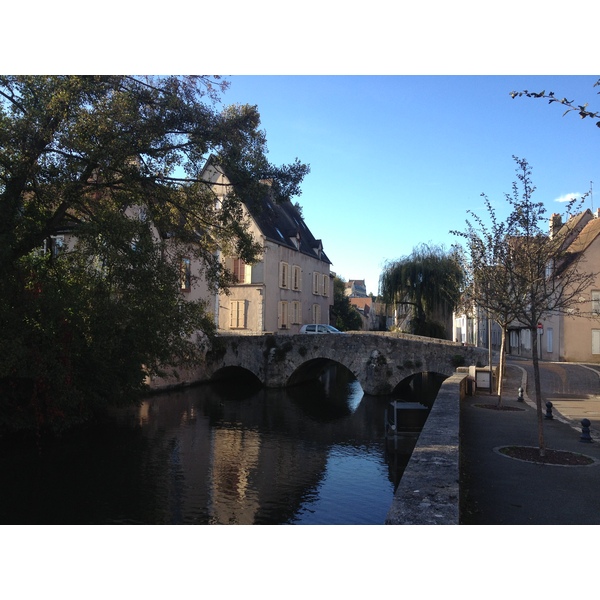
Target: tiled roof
x=282 y=223
x=588 y=234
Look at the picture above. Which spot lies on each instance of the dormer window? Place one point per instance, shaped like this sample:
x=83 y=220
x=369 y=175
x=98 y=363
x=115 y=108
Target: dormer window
x=296 y=240
x=319 y=248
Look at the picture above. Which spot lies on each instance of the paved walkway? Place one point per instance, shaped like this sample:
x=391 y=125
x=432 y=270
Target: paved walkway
x=498 y=490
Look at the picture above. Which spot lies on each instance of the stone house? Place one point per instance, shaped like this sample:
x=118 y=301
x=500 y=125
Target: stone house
x=289 y=286
x=356 y=288
x=573 y=337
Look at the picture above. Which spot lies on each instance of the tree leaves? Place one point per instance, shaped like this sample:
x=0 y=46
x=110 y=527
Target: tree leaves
x=79 y=156
x=430 y=281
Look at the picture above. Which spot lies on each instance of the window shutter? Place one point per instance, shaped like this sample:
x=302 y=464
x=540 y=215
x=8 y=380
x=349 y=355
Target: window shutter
x=595 y=341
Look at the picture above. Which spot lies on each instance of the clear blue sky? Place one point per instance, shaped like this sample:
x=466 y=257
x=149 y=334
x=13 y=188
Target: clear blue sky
x=397 y=161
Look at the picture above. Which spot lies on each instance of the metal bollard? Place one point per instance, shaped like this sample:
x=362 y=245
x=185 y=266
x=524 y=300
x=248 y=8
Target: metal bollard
x=549 y=411
x=585 y=431
x=520 y=396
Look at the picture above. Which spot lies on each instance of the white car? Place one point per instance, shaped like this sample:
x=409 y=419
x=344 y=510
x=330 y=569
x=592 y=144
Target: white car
x=319 y=329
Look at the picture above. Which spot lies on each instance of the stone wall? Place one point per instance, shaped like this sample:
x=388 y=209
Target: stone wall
x=428 y=493
x=379 y=362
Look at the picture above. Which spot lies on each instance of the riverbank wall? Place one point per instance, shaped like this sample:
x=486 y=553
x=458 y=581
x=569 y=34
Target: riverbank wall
x=428 y=492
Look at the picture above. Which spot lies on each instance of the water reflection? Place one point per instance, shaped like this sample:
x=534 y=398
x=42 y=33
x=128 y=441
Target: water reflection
x=217 y=454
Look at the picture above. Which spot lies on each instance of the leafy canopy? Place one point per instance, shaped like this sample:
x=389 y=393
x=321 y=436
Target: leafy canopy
x=428 y=283
x=115 y=162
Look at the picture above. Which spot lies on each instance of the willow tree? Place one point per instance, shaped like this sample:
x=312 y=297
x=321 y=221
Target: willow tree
x=78 y=154
x=428 y=284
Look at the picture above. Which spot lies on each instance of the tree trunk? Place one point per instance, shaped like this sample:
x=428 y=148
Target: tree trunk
x=538 y=392
x=501 y=365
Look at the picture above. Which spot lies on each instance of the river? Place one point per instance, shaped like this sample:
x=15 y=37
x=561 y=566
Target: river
x=216 y=454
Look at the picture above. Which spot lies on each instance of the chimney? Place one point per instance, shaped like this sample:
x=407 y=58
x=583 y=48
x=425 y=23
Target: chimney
x=555 y=224
x=597 y=214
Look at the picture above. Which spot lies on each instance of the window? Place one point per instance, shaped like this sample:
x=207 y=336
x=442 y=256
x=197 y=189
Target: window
x=186 y=274
x=296 y=313
x=242 y=271
x=596 y=302
x=320 y=284
x=316 y=313
x=238 y=314
x=526 y=338
x=549 y=340
x=297 y=278
x=284 y=275
x=283 y=315
x=595 y=341
x=54 y=244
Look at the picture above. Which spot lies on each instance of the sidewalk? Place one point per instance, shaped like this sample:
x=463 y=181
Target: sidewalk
x=498 y=490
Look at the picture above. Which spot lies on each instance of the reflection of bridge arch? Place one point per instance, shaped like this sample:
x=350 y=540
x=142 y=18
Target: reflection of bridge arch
x=379 y=361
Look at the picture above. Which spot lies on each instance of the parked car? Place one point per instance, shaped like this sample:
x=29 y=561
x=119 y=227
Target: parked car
x=319 y=329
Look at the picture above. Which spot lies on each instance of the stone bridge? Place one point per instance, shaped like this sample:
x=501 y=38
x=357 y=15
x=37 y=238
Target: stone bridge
x=379 y=360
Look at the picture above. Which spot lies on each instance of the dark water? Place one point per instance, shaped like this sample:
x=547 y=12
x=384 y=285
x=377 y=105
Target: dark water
x=216 y=454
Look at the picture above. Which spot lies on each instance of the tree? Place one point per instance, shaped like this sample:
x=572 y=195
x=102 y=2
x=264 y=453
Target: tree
x=428 y=282
x=346 y=317
x=116 y=162
x=487 y=277
x=539 y=275
x=543 y=274
x=571 y=105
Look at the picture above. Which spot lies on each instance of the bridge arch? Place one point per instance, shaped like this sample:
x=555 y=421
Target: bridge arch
x=313 y=369
x=236 y=373
x=379 y=361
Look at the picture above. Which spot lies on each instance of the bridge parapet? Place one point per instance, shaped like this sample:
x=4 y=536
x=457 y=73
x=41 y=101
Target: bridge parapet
x=379 y=360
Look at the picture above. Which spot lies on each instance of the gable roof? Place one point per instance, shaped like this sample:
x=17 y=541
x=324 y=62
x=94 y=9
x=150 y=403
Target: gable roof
x=569 y=231
x=279 y=222
x=588 y=234
x=283 y=224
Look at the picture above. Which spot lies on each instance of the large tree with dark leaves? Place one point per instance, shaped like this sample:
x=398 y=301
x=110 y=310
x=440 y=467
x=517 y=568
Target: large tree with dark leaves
x=77 y=153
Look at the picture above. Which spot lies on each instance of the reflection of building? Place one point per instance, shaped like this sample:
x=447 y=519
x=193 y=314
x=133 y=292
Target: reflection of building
x=226 y=472
x=235 y=455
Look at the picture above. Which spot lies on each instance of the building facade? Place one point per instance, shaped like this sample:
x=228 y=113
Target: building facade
x=289 y=286
x=562 y=337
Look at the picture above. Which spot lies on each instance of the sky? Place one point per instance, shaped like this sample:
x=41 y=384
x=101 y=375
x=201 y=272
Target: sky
x=403 y=112
x=397 y=161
